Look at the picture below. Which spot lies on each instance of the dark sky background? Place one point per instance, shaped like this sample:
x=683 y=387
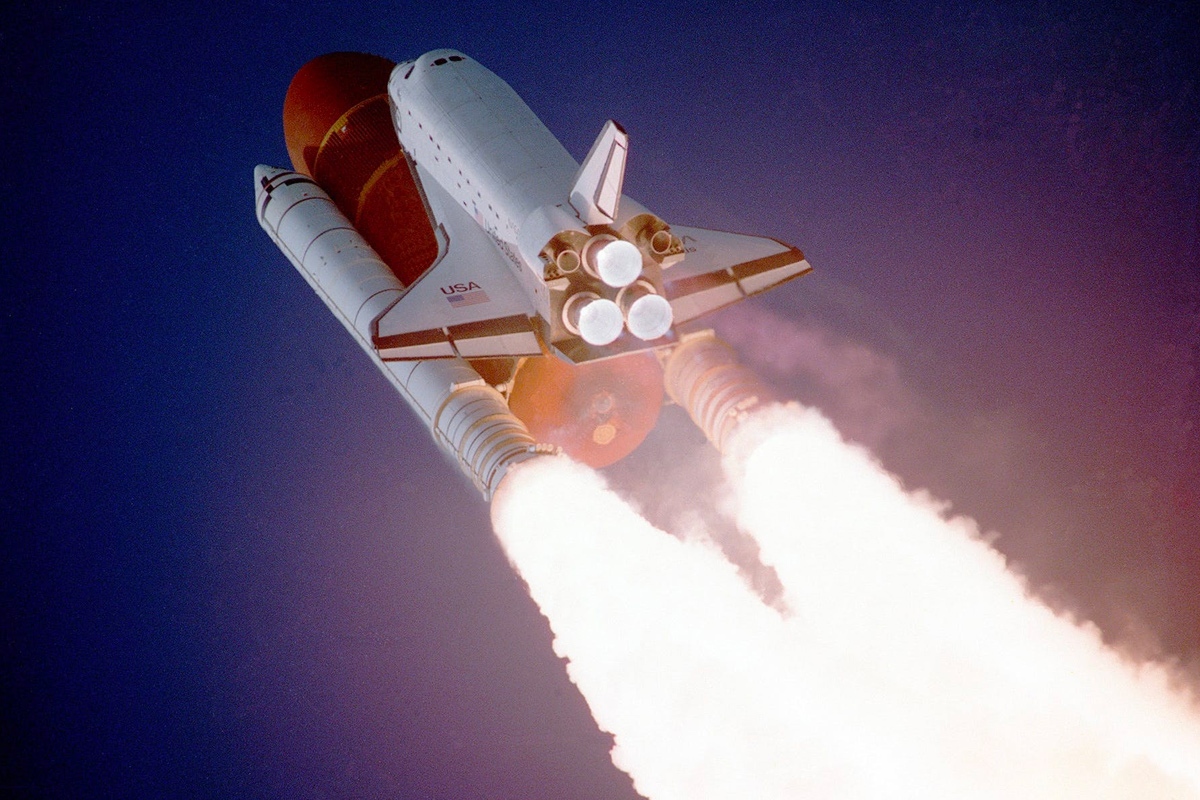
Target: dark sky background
x=234 y=563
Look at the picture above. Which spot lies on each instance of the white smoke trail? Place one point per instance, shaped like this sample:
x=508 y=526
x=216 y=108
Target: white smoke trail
x=960 y=683
x=913 y=664
x=675 y=656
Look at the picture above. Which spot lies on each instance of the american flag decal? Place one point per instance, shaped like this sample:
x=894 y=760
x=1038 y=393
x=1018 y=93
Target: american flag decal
x=471 y=298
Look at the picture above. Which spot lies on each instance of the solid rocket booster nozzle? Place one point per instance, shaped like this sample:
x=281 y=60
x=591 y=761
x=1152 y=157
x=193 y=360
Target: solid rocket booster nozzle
x=703 y=375
x=474 y=424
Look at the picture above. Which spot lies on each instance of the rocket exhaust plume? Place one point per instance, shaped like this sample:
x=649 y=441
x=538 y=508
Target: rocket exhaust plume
x=955 y=680
x=673 y=653
x=910 y=662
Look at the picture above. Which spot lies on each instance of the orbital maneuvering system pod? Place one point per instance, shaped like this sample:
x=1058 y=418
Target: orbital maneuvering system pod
x=518 y=300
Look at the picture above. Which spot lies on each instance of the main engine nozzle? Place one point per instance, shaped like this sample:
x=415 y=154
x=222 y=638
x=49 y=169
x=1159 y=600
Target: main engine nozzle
x=648 y=315
x=615 y=261
x=593 y=318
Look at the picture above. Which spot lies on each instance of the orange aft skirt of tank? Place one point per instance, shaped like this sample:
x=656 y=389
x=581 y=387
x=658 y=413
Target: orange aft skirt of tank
x=597 y=412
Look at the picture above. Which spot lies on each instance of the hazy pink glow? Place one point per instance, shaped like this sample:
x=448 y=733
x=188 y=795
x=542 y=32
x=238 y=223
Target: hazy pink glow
x=910 y=663
x=864 y=385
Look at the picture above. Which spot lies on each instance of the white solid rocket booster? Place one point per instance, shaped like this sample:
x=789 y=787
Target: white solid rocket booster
x=468 y=418
x=704 y=376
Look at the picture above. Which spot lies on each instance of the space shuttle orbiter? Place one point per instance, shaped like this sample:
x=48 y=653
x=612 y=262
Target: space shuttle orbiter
x=480 y=266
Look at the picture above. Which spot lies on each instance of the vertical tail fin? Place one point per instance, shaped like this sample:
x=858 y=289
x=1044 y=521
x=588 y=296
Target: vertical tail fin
x=597 y=190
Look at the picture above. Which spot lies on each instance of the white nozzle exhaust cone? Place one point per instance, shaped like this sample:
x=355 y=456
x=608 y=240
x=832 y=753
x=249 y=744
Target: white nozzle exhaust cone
x=648 y=315
x=615 y=261
x=596 y=320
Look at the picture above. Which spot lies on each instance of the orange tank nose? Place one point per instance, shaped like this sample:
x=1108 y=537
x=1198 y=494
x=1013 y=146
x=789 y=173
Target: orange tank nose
x=597 y=412
x=339 y=132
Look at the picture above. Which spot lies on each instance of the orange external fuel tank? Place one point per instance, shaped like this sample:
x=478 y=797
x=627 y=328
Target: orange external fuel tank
x=339 y=132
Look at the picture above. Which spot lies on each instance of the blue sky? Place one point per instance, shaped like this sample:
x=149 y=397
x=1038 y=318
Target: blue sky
x=235 y=563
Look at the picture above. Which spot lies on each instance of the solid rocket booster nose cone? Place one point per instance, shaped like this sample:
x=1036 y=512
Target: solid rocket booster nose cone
x=615 y=261
x=649 y=317
x=264 y=174
x=600 y=322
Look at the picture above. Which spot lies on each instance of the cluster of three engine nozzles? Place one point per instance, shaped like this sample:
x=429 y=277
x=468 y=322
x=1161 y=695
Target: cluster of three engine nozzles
x=616 y=263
